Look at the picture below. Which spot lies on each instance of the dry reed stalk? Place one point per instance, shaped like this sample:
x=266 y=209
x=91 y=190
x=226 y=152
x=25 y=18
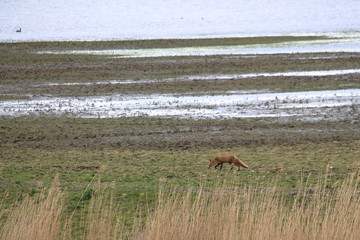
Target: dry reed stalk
x=36 y=218
x=254 y=213
x=220 y=213
x=102 y=222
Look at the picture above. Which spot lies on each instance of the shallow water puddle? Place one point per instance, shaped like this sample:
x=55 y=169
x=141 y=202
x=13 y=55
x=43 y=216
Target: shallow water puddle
x=279 y=74
x=347 y=44
x=313 y=105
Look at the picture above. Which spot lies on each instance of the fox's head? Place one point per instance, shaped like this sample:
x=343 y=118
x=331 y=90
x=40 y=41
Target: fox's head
x=212 y=163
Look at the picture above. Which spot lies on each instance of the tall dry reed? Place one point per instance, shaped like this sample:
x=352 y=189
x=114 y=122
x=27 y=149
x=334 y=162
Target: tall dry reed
x=36 y=218
x=224 y=212
x=101 y=222
x=257 y=213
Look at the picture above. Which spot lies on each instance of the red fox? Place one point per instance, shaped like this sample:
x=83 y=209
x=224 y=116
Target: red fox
x=227 y=158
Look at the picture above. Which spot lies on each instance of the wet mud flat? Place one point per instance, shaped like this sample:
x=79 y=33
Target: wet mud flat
x=283 y=87
x=311 y=88
x=169 y=134
x=331 y=105
x=85 y=80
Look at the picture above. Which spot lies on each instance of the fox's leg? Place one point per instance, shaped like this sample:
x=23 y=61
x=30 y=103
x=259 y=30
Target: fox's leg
x=217 y=165
x=221 y=164
x=232 y=163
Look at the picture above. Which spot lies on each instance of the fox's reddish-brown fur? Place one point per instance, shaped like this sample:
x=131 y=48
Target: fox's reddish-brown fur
x=227 y=158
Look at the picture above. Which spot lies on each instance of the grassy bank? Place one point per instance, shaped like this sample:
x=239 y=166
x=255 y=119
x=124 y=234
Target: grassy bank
x=132 y=156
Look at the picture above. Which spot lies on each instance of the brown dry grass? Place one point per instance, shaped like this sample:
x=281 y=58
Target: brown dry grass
x=253 y=213
x=224 y=212
x=102 y=222
x=36 y=218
